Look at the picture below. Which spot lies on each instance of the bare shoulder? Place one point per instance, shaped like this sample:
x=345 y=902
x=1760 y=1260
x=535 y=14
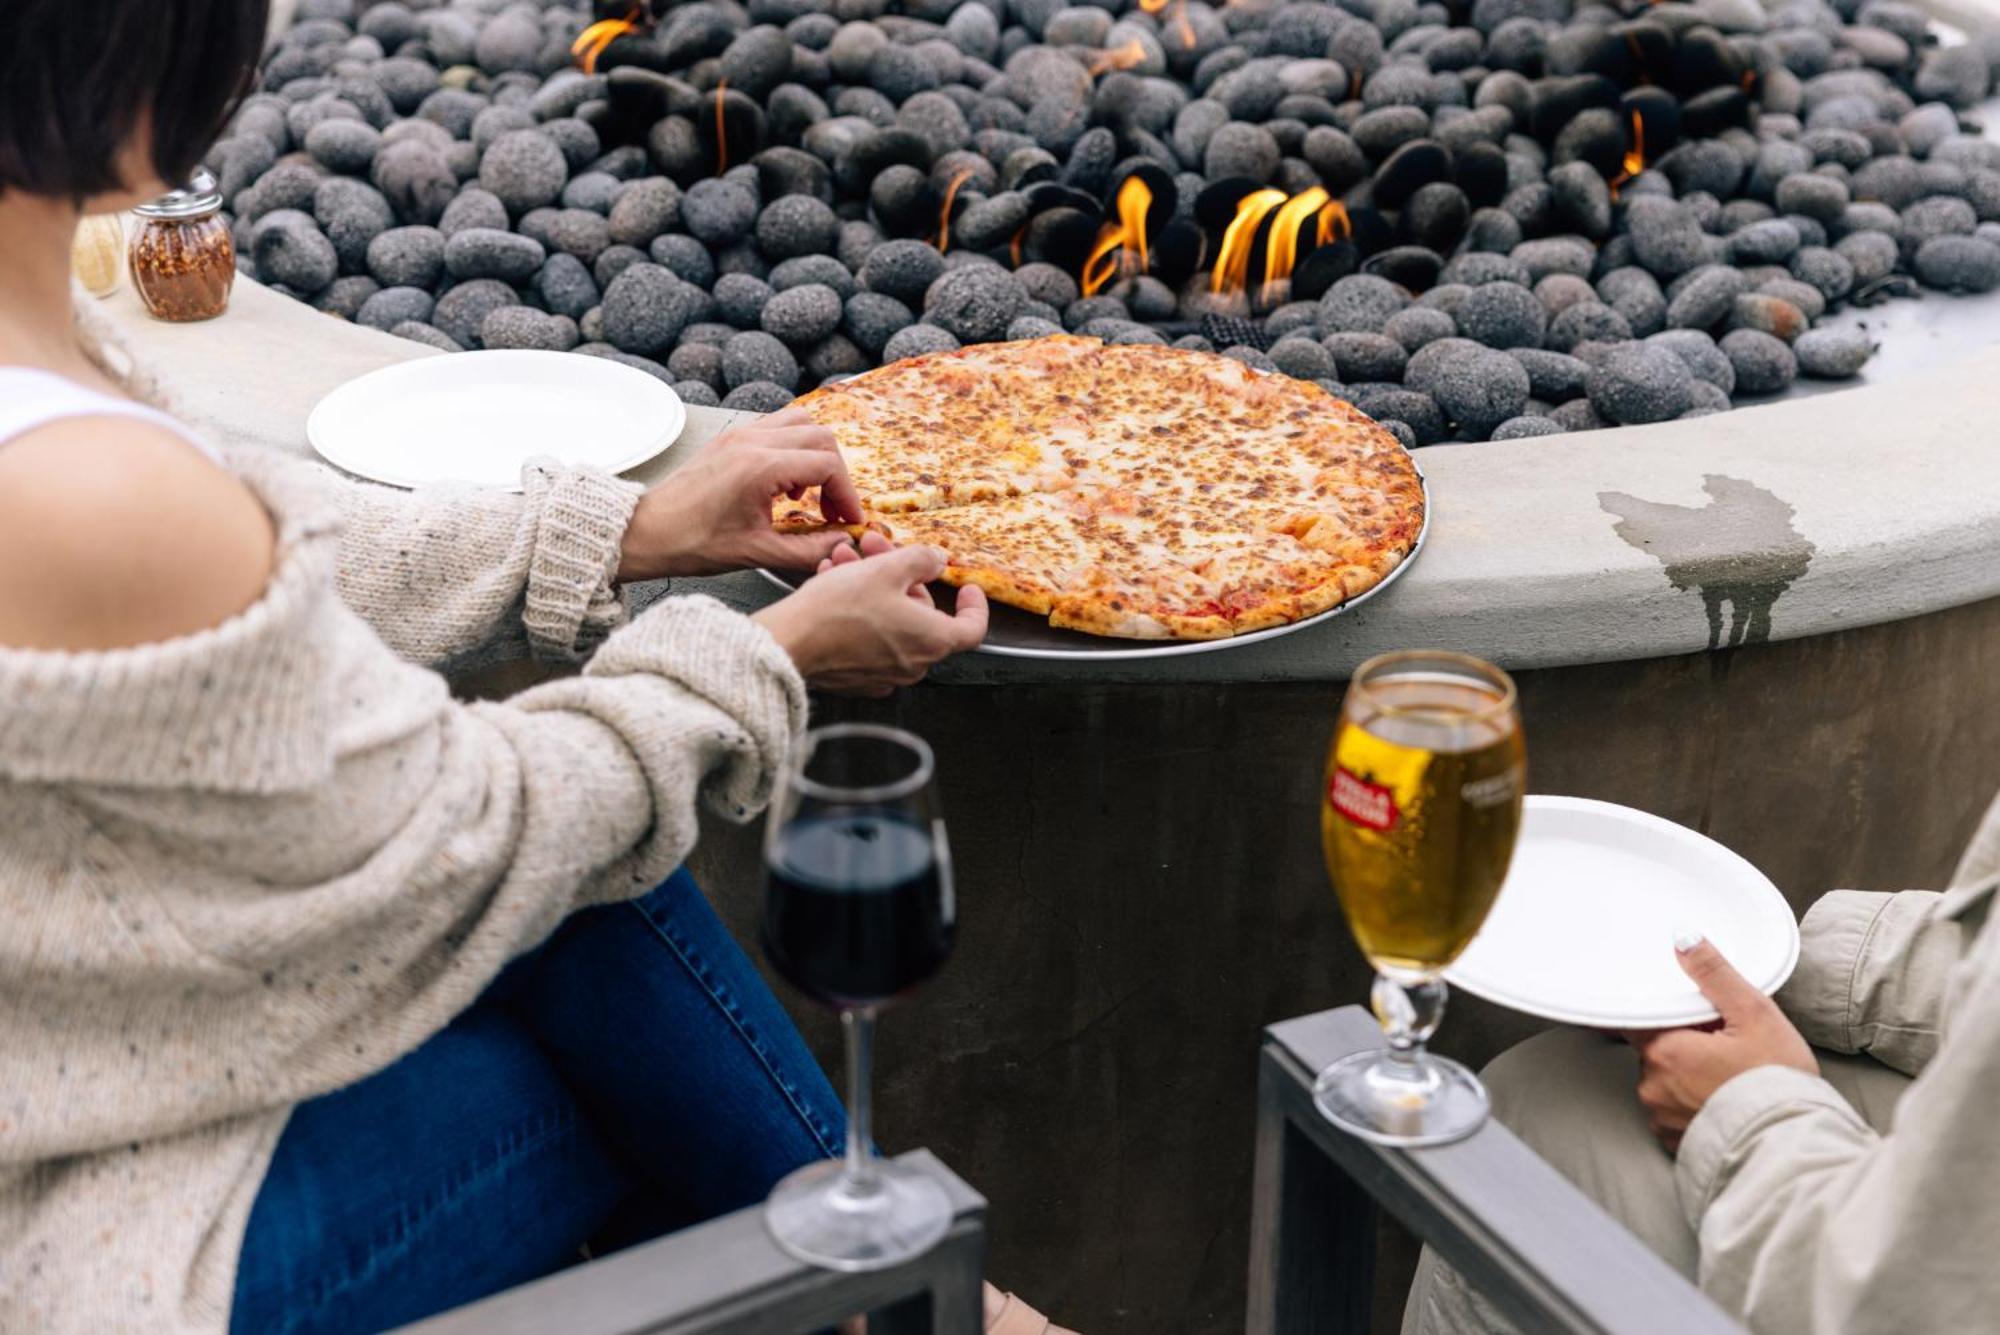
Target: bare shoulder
x=113 y=532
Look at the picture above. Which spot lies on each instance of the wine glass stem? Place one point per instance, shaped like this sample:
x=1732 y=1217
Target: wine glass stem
x=1409 y=1014
x=860 y=1026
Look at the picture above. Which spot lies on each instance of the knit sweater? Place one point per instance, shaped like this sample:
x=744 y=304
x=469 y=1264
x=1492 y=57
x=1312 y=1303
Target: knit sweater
x=248 y=866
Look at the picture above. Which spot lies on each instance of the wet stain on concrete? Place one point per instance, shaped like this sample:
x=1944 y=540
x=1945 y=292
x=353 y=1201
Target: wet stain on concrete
x=1740 y=550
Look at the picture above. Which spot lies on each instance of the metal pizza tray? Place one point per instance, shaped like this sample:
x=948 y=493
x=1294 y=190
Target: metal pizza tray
x=1014 y=633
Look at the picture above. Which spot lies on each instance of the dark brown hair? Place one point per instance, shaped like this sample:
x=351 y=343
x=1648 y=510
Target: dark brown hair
x=79 y=77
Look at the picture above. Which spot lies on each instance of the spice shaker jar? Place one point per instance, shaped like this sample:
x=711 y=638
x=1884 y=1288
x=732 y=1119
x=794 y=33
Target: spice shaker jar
x=182 y=258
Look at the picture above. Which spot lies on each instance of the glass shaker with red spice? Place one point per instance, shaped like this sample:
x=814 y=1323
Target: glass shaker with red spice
x=182 y=258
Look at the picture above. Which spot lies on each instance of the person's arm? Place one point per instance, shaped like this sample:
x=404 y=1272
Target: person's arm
x=1871 y=975
x=440 y=572
x=1811 y=1224
x=445 y=571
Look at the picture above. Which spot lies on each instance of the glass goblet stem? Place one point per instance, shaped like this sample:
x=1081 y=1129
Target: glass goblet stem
x=860 y=1177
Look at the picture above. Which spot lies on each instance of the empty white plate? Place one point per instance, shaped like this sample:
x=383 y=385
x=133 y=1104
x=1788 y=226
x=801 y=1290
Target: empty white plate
x=478 y=416
x=1583 y=930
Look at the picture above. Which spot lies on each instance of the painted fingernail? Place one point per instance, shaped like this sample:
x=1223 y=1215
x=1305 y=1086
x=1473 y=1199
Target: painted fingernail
x=1687 y=939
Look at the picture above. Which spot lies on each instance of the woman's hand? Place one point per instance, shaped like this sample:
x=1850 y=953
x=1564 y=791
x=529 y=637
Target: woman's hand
x=1680 y=1069
x=865 y=624
x=714 y=513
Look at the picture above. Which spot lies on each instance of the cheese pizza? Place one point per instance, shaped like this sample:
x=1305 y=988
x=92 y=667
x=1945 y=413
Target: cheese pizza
x=1135 y=491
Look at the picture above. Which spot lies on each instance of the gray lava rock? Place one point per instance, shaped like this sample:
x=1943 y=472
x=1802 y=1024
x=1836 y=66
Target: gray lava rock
x=461 y=312
x=1477 y=387
x=1638 y=383
x=1586 y=322
x=1832 y=354
x=1772 y=315
x=526 y=327
x=345 y=297
x=1581 y=198
x=1824 y=269
x=1763 y=364
x=718 y=211
x=822 y=269
x=1416 y=412
x=1303 y=359
x=646 y=307
x=1414 y=326
x=473 y=208
x=1362 y=356
x=1359 y=303
x=1554 y=376
x=755 y=355
x=916 y=340
x=1502 y=315
x=479 y=252
x=975 y=304
x=566 y=286
x=1954 y=263
x=407 y=257
x=296 y=254
x=757 y=396
x=872 y=318
x=393 y=306
x=1815 y=196
x=1705 y=297
x=1032 y=326
x=1520 y=428
x=418 y=332
x=803 y=316
x=1707 y=361
x=343 y=145
x=740 y=298
x=643 y=210
x=796 y=225
x=524 y=170
x=1237 y=149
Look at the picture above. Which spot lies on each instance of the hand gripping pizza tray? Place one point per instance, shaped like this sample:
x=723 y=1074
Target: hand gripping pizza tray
x=1013 y=633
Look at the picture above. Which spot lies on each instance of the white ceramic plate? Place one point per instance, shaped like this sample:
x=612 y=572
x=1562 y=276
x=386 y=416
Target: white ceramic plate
x=1583 y=930
x=478 y=416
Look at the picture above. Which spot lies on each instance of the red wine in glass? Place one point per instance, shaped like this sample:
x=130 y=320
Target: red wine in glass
x=858 y=911
x=854 y=910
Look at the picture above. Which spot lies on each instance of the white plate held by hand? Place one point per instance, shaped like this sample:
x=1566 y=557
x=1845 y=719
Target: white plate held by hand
x=1583 y=930
x=478 y=416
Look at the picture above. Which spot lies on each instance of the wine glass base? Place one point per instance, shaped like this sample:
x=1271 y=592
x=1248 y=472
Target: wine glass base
x=815 y=1216
x=1391 y=1101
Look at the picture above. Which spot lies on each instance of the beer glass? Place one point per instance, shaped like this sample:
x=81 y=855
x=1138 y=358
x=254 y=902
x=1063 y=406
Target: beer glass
x=1421 y=806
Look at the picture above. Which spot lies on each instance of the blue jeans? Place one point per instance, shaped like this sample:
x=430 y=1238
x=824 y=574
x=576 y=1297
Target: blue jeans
x=630 y=1076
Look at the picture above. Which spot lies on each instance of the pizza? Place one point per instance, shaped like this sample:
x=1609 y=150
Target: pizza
x=1135 y=491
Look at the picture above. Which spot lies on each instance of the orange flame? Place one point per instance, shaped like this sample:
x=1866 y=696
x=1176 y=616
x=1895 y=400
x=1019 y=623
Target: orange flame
x=1232 y=261
x=1281 y=251
x=944 y=213
x=1635 y=156
x=1118 y=58
x=1182 y=27
x=721 y=133
x=1014 y=246
x=590 y=43
x=1152 y=6
x=1334 y=224
x=1128 y=233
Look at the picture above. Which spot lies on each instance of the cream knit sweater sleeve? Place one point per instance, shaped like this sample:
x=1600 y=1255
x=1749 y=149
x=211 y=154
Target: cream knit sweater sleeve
x=443 y=571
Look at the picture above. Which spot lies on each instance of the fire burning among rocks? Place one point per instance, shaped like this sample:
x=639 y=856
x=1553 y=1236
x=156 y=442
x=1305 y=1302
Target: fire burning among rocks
x=1471 y=217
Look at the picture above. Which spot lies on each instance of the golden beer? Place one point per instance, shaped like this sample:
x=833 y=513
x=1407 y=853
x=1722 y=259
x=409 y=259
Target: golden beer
x=1419 y=812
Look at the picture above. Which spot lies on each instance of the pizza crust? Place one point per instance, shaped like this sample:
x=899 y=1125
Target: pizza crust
x=1132 y=491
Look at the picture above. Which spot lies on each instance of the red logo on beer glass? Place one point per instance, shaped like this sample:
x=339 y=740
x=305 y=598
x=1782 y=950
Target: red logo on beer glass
x=1366 y=804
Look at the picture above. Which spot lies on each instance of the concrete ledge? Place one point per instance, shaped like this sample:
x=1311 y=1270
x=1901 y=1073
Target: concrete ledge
x=1796 y=518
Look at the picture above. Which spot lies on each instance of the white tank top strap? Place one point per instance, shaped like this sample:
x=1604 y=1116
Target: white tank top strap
x=32 y=398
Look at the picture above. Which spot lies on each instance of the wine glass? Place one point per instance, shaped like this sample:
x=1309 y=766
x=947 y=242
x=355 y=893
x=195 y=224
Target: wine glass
x=1421 y=807
x=858 y=911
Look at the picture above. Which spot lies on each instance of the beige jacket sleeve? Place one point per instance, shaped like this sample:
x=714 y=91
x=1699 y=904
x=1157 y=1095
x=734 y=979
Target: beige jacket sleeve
x=445 y=571
x=1812 y=1224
